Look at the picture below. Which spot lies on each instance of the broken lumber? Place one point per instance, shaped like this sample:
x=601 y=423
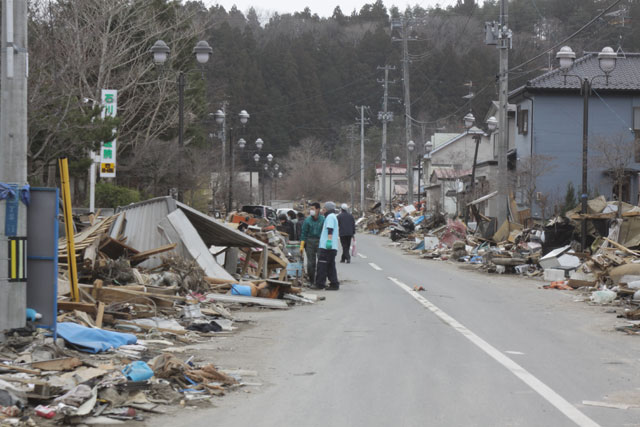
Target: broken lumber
x=143 y=256
x=264 y=302
x=64 y=364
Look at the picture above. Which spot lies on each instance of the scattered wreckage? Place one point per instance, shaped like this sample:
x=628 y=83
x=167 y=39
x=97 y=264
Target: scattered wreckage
x=607 y=271
x=151 y=281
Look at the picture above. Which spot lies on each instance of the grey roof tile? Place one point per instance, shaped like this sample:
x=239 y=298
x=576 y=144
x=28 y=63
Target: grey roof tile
x=626 y=75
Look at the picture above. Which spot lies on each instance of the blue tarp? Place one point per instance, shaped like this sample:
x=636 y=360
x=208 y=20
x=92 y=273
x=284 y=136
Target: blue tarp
x=93 y=340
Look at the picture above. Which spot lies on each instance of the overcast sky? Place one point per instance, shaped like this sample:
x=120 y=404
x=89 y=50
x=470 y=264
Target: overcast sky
x=323 y=8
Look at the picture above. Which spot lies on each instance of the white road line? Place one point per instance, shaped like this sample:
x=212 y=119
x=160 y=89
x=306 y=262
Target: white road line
x=538 y=386
x=362 y=256
x=517 y=353
x=375 y=267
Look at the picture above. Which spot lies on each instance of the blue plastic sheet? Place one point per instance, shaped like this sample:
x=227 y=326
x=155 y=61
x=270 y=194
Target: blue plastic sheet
x=92 y=340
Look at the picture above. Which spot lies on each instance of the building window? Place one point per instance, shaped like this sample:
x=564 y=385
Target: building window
x=636 y=132
x=523 y=121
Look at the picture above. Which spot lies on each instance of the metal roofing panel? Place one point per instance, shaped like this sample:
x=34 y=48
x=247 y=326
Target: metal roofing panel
x=215 y=233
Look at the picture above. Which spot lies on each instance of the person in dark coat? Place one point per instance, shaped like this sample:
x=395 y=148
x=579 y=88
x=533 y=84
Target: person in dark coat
x=298 y=225
x=286 y=226
x=347 y=226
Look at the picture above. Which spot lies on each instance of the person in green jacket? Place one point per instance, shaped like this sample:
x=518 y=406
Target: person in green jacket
x=310 y=238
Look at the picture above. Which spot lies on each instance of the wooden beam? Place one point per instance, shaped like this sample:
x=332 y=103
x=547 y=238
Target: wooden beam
x=624 y=248
x=264 y=302
x=80 y=306
x=142 y=256
x=100 y=315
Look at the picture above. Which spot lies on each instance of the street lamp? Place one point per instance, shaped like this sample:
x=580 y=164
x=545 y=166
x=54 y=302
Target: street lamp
x=259 y=143
x=477 y=135
x=410 y=147
x=397 y=162
x=221 y=119
x=160 y=52
x=607 y=63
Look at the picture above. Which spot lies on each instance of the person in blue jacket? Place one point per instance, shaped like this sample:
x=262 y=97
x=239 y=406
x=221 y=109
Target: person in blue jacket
x=327 y=250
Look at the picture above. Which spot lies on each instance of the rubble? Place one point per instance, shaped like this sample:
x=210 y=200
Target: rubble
x=148 y=287
x=606 y=272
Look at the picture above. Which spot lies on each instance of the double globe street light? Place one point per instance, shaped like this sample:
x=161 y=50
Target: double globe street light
x=221 y=119
x=477 y=134
x=607 y=63
x=160 y=52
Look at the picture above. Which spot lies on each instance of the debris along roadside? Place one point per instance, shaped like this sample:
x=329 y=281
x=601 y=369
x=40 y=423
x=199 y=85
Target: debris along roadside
x=606 y=272
x=156 y=281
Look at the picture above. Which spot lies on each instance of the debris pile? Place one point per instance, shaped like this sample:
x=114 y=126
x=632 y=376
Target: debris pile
x=608 y=270
x=152 y=280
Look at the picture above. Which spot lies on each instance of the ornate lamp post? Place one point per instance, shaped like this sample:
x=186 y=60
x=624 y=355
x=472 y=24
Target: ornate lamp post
x=607 y=62
x=160 y=52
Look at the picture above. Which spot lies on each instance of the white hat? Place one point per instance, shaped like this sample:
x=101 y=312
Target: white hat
x=344 y=207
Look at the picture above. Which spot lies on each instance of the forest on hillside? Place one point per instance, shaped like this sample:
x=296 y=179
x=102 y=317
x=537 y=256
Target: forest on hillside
x=298 y=75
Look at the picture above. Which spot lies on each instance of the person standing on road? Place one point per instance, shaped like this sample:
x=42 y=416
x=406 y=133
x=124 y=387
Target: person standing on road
x=326 y=252
x=347 y=225
x=294 y=220
x=310 y=239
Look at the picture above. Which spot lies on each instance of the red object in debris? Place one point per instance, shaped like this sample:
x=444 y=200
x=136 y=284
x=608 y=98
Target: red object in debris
x=45 y=412
x=268 y=228
x=560 y=284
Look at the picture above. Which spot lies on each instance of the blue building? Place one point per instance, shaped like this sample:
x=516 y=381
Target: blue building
x=548 y=125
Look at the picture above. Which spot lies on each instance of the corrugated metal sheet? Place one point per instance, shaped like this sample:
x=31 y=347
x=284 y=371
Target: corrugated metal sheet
x=215 y=233
x=141 y=225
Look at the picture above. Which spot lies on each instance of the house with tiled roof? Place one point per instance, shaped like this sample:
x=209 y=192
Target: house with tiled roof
x=549 y=125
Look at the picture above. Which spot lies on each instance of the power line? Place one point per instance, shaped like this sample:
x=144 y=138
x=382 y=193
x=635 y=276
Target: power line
x=554 y=47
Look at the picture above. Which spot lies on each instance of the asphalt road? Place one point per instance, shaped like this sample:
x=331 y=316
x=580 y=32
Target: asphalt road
x=471 y=350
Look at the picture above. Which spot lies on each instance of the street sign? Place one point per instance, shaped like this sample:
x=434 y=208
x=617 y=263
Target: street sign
x=109 y=102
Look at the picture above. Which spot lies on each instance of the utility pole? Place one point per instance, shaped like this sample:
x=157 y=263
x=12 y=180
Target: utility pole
x=13 y=163
x=361 y=123
x=407 y=109
x=386 y=117
x=352 y=172
x=404 y=24
x=504 y=43
x=500 y=35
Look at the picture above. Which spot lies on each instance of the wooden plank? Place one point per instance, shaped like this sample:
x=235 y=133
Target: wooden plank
x=264 y=302
x=624 y=248
x=89 y=255
x=100 y=315
x=84 y=295
x=142 y=256
x=116 y=249
x=114 y=294
x=64 y=364
x=80 y=306
x=4 y=368
x=149 y=328
x=97 y=285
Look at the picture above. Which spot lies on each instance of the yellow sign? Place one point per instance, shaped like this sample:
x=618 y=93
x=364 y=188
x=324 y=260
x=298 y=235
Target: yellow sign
x=107 y=168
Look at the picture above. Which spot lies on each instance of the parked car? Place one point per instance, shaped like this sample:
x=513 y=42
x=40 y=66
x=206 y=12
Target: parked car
x=261 y=211
x=285 y=210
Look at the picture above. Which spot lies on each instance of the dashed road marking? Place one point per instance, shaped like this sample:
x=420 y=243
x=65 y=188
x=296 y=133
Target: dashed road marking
x=362 y=256
x=517 y=353
x=538 y=386
x=374 y=266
